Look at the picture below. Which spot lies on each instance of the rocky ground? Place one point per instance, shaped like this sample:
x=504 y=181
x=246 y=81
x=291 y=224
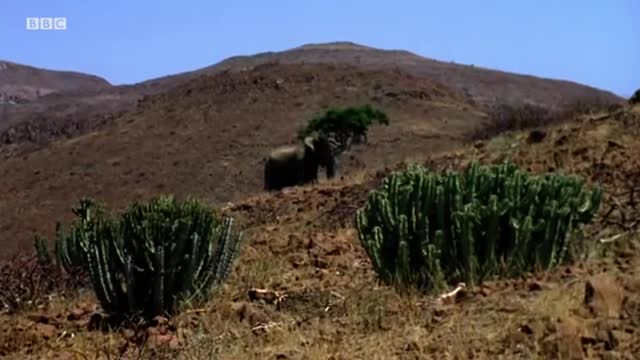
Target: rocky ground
x=303 y=288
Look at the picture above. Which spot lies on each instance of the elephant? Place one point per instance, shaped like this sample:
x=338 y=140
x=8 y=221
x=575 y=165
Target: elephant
x=298 y=164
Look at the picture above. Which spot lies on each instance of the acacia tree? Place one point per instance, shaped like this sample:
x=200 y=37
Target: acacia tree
x=344 y=127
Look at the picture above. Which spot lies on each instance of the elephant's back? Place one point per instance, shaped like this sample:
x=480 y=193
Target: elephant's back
x=283 y=151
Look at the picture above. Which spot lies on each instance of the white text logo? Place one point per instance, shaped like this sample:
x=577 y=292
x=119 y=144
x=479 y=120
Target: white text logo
x=46 y=23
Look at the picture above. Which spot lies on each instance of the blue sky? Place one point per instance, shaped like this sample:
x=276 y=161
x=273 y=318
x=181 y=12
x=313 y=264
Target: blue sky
x=588 y=41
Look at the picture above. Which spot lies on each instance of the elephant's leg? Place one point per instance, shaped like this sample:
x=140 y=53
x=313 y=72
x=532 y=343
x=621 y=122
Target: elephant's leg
x=281 y=176
x=300 y=174
x=331 y=168
x=274 y=176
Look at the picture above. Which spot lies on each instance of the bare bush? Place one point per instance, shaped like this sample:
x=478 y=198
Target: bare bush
x=507 y=117
x=504 y=117
x=26 y=282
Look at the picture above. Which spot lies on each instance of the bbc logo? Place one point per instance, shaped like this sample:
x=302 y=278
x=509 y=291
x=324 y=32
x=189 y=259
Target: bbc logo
x=47 y=23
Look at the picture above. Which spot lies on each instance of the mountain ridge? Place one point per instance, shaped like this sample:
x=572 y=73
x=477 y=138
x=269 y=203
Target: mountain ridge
x=74 y=111
x=24 y=83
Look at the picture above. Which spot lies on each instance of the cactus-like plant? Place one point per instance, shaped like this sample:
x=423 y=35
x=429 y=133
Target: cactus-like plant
x=429 y=230
x=157 y=254
x=68 y=249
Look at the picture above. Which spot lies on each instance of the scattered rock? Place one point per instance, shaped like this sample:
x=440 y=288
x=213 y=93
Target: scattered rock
x=46 y=331
x=566 y=343
x=76 y=314
x=604 y=296
x=155 y=339
x=485 y=289
x=253 y=315
x=266 y=296
x=455 y=296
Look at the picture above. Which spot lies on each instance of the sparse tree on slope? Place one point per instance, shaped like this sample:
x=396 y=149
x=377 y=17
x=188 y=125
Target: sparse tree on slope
x=344 y=127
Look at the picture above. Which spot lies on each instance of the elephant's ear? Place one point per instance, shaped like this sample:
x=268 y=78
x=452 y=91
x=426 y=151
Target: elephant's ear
x=308 y=141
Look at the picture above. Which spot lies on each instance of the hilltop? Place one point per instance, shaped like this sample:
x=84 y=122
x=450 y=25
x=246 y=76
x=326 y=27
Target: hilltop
x=76 y=111
x=481 y=84
x=22 y=83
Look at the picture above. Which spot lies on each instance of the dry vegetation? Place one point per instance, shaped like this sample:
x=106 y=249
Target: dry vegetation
x=505 y=117
x=304 y=289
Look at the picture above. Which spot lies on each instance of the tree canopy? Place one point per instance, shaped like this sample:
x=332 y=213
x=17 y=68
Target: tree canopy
x=344 y=126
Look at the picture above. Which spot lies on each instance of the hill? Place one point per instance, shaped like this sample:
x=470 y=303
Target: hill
x=32 y=126
x=209 y=137
x=485 y=86
x=22 y=83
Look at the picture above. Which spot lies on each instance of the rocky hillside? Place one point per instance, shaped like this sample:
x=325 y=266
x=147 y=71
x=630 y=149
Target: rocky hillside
x=209 y=137
x=483 y=85
x=304 y=288
x=22 y=83
x=30 y=126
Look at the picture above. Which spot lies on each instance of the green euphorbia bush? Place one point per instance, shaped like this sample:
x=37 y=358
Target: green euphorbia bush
x=427 y=229
x=155 y=255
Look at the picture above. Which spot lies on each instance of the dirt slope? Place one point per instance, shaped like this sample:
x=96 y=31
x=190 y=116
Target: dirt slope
x=23 y=83
x=301 y=244
x=209 y=137
x=69 y=114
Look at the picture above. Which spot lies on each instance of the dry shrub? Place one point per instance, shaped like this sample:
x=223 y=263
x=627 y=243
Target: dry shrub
x=25 y=283
x=506 y=117
x=509 y=117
